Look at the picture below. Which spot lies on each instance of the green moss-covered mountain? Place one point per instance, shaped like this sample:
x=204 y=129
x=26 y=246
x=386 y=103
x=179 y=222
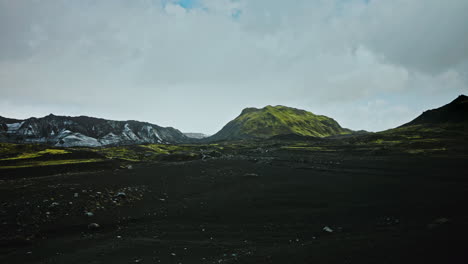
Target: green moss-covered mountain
x=278 y=120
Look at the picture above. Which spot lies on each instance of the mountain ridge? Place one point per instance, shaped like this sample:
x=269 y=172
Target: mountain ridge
x=71 y=131
x=252 y=123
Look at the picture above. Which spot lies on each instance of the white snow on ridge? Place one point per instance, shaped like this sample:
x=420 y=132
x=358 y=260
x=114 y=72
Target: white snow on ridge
x=109 y=139
x=60 y=136
x=153 y=133
x=157 y=135
x=77 y=140
x=29 y=131
x=129 y=134
x=13 y=128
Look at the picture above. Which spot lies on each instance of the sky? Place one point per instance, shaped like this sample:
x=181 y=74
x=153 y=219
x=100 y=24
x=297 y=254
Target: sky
x=195 y=64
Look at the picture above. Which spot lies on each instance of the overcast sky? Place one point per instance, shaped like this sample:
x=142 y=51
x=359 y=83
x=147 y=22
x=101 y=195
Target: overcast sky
x=195 y=64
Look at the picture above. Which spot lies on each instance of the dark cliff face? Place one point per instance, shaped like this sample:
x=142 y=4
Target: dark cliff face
x=85 y=131
x=278 y=120
x=455 y=112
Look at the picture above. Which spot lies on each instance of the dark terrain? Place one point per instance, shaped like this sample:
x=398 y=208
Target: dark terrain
x=258 y=208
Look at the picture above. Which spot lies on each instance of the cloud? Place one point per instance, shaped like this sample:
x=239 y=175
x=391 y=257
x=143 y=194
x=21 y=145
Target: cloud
x=196 y=66
x=429 y=36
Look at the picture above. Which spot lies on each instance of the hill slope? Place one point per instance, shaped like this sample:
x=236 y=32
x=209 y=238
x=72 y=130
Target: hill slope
x=278 y=120
x=447 y=122
x=455 y=112
x=65 y=131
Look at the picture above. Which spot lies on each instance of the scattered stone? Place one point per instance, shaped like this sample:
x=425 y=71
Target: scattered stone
x=93 y=226
x=388 y=221
x=442 y=220
x=327 y=229
x=75 y=195
x=121 y=195
x=251 y=175
x=89 y=214
x=54 y=204
x=438 y=222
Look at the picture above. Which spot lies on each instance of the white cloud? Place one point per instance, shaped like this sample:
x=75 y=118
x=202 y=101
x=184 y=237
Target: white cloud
x=195 y=69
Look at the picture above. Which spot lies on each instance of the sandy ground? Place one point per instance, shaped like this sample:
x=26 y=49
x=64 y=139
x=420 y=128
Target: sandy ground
x=290 y=208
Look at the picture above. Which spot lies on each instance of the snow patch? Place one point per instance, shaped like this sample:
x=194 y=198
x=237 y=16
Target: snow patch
x=151 y=133
x=157 y=135
x=77 y=140
x=13 y=128
x=128 y=133
x=110 y=139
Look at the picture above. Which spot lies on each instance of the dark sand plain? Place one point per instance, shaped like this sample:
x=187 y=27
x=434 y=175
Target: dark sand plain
x=281 y=206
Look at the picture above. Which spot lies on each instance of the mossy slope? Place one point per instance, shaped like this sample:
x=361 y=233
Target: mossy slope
x=448 y=121
x=456 y=112
x=278 y=120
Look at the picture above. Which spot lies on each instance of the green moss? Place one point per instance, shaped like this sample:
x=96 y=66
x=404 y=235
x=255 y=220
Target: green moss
x=10 y=150
x=384 y=141
x=425 y=151
x=278 y=120
x=123 y=153
x=49 y=163
x=418 y=130
x=167 y=149
x=38 y=154
x=145 y=152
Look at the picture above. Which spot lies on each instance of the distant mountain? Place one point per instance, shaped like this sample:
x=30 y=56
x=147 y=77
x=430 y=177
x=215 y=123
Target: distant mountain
x=454 y=113
x=195 y=135
x=278 y=120
x=65 y=131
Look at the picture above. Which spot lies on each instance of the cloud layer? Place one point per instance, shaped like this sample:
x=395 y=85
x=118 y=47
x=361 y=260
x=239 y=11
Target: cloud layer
x=194 y=65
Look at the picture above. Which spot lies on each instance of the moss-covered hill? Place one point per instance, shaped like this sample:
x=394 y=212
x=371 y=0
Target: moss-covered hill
x=278 y=120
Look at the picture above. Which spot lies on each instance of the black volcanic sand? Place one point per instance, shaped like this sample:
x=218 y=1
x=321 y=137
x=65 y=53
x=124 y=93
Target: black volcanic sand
x=391 y=209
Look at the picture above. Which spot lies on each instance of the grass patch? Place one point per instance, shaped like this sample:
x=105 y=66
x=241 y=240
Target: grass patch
x=168 y=149
x=123 y=153
x=37 y=154
x=425 y=151
x=383 y=141
x=49 y=163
